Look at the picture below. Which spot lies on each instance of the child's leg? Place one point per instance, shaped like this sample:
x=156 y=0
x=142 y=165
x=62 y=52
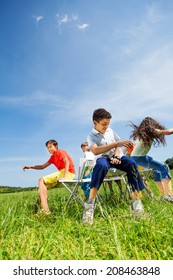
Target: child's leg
x=43 y=195
x=89 y=208
x=163 y=180
x=168 y=186
x=93 y=193
x=99 y=172
x=161 y=187
x=135 y=195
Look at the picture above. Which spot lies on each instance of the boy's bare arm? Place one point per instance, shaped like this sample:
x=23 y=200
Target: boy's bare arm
x=96 y=150
x=38 y=167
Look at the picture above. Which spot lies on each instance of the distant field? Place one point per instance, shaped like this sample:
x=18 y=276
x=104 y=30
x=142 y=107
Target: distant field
x=62 y=236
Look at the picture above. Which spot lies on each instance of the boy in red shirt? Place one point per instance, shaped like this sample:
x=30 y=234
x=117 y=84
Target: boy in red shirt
x=66 y=170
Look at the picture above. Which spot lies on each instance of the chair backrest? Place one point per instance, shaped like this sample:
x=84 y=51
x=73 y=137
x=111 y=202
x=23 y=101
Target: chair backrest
x=88 y=160
x=82 y=164
x=89 y=156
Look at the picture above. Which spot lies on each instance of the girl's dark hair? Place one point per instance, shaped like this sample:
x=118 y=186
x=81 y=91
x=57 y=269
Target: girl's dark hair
x=100 y=114
x=146 y=132
x=54 y=142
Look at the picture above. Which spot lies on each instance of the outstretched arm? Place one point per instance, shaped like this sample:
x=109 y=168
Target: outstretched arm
x=38 y=167
x=167 y=131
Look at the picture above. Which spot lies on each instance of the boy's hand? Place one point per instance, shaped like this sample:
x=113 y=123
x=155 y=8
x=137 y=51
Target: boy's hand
x=125 y=143
x=26 y=167
x=115 y=161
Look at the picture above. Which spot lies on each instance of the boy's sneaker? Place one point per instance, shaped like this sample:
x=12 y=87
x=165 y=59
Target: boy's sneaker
x=167 y=198
x=88 y=214
x=137 y=207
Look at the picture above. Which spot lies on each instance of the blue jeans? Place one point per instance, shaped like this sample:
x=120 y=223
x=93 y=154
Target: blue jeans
x=127 y=164
x=86 y=186
x=161 y=170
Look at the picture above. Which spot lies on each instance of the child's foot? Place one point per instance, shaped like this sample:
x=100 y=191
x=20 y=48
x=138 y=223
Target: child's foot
x=167 y=198
x=42 y=213
x=88 y=214
x=137 y=207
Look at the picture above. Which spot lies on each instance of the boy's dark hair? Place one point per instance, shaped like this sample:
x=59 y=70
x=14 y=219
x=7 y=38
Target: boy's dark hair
x=100 y=114
x=54 y=142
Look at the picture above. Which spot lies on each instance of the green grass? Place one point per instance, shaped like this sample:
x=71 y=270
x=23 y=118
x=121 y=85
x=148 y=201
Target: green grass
x=62 y=236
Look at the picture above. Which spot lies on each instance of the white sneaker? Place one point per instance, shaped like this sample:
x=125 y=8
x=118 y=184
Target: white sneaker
x=167 y=198
x=88 y=214
x=137 y=207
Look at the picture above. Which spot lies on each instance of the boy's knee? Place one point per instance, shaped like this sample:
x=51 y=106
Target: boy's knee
x=132 y=162
x=40 y=180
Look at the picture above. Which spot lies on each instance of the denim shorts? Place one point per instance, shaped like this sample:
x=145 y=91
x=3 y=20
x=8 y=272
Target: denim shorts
x=161 y=170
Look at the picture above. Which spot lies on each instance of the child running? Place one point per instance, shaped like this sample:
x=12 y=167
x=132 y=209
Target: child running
x=147 y=133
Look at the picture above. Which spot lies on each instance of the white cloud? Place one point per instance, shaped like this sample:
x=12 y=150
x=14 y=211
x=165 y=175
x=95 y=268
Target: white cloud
x=75 y=17
x=144 y=87
x=154 y=14
x=83 y=26
x=65 y=19
x=38 y=18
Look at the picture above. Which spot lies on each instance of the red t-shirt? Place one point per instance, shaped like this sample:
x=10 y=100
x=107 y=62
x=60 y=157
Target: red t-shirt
x=57 y=160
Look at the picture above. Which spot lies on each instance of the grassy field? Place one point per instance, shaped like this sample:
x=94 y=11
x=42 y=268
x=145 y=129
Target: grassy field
x=61 y=236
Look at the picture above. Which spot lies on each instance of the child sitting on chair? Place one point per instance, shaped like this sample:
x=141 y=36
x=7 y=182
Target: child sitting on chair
x=63 y=163
x=104 y=143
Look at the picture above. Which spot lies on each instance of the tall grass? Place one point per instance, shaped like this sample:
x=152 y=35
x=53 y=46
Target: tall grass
x=62 y=236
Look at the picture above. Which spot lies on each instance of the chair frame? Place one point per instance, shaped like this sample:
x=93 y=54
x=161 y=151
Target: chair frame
x=73 y=185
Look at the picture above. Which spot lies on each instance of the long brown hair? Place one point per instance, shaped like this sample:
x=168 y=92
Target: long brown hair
x=146 y=132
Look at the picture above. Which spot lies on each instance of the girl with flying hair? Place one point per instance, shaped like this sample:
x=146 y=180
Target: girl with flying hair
x=148 y=133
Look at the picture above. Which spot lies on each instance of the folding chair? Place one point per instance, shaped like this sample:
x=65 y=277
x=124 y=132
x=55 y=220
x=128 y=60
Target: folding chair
x=73 y=185
x=114 y=175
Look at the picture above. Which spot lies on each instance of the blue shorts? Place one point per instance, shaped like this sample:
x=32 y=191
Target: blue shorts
x=161 y=170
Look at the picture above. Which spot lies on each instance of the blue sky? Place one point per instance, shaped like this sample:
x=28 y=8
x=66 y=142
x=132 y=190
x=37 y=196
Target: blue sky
x=60 y=60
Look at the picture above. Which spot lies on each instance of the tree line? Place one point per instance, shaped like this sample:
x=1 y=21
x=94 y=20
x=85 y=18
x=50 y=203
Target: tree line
x=169 y=162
